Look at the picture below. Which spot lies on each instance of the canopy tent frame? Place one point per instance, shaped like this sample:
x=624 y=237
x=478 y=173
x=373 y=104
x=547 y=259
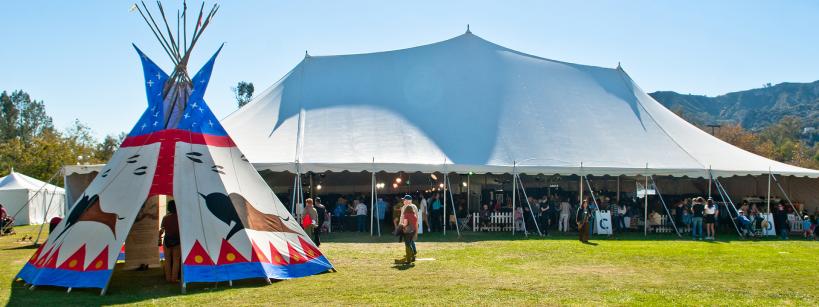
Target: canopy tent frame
x=526 y=197
x=657 y=189
x=727 y=200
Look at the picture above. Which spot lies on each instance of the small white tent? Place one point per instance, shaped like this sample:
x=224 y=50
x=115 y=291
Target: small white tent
x=19 y=193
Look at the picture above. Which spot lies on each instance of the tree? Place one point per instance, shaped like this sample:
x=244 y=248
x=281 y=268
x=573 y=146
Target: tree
x=243 y=92
x=109 y=145
x=22 y=117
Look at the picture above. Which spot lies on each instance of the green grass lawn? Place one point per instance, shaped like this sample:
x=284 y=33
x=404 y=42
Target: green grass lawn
x=485 y=269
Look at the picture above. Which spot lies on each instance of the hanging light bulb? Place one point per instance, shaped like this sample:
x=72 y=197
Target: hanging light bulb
x=441 y=186
x=394 y=185
x=464 y=183
x=398 y=180
x=433 y=176
x=318 y=187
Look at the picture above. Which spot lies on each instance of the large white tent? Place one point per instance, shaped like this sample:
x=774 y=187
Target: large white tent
x=34 y=201
x=469 y=105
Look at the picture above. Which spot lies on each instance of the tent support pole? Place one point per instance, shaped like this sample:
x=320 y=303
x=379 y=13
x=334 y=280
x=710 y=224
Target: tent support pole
x=797 y=213
x=372 y=199
x=581 y=191
x=645 y=198
x=514 y=193
x=665 y=206
x=452 y=201
x=591 y=194
x=769 y=191
x=468 y=193
x=45 y=216
x=710 y=178
x=534 y=219
x=445 y=188
x=723 y=194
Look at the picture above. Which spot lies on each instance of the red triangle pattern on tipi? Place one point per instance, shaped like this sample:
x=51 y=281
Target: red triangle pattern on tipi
x=198 y=255
x=295 y=257
x=257 y=255
x=228 y=254
x=311 y=251
x=276 y=257
x=100 y=262
x=76 y=262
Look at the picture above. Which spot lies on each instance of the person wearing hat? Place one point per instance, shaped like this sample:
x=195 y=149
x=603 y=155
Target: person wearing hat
x=744 y=222
x=408 y=225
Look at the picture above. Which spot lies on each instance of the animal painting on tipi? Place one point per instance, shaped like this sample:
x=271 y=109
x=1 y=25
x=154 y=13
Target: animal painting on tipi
x=231 y=224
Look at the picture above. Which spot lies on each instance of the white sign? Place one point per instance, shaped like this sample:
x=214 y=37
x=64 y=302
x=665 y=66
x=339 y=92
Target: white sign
x=602 y=222
x=770 y=230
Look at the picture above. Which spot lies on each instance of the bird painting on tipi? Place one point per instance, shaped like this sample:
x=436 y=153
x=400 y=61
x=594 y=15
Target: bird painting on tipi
x=231 y=224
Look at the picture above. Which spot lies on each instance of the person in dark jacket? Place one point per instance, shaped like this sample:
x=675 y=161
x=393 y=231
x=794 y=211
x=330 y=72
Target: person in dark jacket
x=780 y=217
x=322 y=211
x=171 y=243
x=545 y=217
x=582 y=220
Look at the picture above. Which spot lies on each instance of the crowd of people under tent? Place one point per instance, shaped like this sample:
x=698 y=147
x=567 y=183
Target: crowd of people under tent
x=699 y=217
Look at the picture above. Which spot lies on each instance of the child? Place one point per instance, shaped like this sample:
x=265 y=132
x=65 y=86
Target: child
x=807 y=228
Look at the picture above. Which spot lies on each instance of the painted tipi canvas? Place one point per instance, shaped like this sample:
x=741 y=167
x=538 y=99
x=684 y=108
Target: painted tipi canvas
x=231 y=224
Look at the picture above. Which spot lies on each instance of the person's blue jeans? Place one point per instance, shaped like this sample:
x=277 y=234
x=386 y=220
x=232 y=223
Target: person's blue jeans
x=696 y=227
x=362 y=222
x=620 y=221
x=783 y=233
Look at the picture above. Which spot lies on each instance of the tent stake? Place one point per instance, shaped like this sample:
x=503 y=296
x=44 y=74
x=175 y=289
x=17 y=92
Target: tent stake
x=267 y=279
x=184 y=288
x=32 y=288
x=68 y=290
x=230 y=283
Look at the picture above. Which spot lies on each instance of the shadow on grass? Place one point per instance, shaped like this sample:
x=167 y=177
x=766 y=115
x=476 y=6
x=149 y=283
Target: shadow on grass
x=27 y=246
x=127 y=286
x=403 y=266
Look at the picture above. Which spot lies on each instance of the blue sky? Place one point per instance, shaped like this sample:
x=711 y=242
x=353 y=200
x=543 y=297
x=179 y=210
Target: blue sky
x=77 y=55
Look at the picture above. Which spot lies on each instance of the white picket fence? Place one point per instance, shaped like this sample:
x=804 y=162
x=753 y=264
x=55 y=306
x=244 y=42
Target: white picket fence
x=498 y=221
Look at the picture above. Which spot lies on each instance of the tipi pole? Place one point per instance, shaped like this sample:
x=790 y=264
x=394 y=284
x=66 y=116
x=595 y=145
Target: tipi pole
x=452 y=202
x=514 y=194
x=526 y=197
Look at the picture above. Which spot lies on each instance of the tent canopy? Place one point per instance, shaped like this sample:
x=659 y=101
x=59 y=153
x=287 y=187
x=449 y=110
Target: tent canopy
x=19 y=195
x=469 y=105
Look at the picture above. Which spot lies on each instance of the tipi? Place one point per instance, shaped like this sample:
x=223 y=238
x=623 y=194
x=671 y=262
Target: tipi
x=232 y=226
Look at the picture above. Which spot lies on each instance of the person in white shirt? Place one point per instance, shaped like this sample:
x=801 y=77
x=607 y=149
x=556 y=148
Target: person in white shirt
x=361 y=216
x=565 y=210
x=423 y=216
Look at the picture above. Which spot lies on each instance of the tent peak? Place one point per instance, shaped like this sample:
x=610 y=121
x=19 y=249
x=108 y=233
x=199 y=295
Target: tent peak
x=306 y=54
x=467 y=29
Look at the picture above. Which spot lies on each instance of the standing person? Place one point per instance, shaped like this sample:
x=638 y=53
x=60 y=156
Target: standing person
x=582 y=220
x=409 y=221
x=437 y=213
x=381 y=210
x=422 y=213
x=485 y=217
x=361 y=216
x=544 y=217
x=696 y=219
x=316 y=218
x=622 y=210
x=519 y=219
x=310 y=219
x=710 y=219
x=339 y=212
x=565 y=211
x=679 y=211
x=396 y=214
x=780 y=217
x=171 y=243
